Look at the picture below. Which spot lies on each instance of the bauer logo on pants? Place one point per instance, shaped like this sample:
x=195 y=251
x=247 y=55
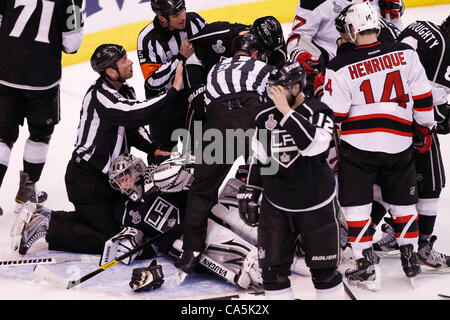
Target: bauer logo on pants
x=162 y=215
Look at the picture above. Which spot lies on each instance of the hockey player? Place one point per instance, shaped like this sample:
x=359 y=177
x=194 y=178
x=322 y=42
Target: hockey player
x=313 y=38
x=376 y=142
x=432 y=44
x=32 y=36
x=295 y=131
x=232 y=101
x=111 y=121
x=161 y=45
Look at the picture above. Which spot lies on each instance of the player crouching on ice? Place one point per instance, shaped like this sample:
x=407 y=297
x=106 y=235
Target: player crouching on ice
x=154 y=204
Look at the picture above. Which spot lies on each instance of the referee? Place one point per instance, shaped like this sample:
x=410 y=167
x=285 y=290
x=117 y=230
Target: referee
x=235 y=90
x=161 y=46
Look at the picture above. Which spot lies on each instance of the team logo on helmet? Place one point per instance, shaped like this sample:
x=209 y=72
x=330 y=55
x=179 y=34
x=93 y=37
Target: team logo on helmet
x=218 y=47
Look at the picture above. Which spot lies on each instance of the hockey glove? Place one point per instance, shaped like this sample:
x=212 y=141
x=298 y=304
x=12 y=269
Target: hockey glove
x=127 y=239
x=242 y=173
x=443 y=127
x=310 y=64
x=319 y=80
x=146 y=279
x=248 y=204
x=391 y=9
x=422 y=138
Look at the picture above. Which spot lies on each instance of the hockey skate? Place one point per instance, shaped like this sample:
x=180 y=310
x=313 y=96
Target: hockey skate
x=27 y=192
x=410 y=262
x=387 y=246
x=366 y=274
x=432 y=260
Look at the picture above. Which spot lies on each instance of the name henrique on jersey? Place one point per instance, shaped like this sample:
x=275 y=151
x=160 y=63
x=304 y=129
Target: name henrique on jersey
x=433 y=47
x=237 y=74
x=314 y=20
x=298 y=144
x=32 y=35
x=159 y=51
x=377 y=91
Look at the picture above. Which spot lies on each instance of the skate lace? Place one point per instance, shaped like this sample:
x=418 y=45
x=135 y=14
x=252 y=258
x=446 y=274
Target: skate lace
x=437 y=257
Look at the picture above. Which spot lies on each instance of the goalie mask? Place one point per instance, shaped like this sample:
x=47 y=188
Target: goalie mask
x=126 y=174
x=361 y=17
x=173 y=175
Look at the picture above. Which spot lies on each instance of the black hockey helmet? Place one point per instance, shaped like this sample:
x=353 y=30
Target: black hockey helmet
x=247 y=43
x=268 y=30
x=339 y=22
x=288 y=74
x=106 y=56
x=167 y=7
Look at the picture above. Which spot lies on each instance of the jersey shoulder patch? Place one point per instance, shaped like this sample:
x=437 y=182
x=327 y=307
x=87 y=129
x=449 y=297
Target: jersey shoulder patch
x=311 y=4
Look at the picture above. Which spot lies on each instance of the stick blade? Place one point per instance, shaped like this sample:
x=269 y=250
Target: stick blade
x=46 y=274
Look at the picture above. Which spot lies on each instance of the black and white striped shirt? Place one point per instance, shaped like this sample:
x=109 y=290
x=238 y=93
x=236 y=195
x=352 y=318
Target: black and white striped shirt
x=111 y=121
x=159 y=51
x=237 y=74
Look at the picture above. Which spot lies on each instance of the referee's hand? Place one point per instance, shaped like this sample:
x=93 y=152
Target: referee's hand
x=178 y=81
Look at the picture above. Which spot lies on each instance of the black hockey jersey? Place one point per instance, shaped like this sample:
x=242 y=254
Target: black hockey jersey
x=433 y=47
x=32 y=35
x=289 y=156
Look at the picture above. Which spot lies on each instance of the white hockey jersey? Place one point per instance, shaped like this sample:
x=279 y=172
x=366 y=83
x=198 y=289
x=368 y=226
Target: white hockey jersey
x=376 y=92
x=314 y=20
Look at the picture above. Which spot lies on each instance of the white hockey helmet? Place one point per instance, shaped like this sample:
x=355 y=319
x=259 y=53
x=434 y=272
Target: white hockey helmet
x=361 y=16
x=126 y=175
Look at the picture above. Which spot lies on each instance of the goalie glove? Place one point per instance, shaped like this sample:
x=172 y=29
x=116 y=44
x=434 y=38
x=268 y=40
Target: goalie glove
x=127 y=239
x=422 y=138
x=391 y=9
x=146 y=279
x=248 y=204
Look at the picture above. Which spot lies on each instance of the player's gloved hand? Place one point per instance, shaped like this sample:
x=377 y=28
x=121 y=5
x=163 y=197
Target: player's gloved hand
x=319 y=80
x=127 y=239
x=242 y=173
x=391 y=9
x=146 y=279
x=422 y=138
x=443 y=127
x=309 y=63
x=248 y=204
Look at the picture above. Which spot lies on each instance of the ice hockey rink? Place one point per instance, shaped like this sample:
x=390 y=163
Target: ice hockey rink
x=75 y=82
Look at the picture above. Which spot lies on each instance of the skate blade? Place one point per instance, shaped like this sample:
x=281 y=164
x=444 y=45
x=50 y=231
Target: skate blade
x=366 y=285
x=394 y=254
x=430 y=270
x=413 y=282
x=181 y=276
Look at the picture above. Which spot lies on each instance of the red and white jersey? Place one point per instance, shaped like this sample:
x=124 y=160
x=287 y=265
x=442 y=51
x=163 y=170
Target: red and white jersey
x=376 y=92
x=314 y=20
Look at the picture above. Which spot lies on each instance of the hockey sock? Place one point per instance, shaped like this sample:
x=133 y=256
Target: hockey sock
x=360 y=228
x=406 y=224
x=427 y=209
x=34 y=157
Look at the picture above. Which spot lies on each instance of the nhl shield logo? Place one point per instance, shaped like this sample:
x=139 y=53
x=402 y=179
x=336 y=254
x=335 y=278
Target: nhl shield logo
x=283 y=148
x=218 y=47
x=271 y=122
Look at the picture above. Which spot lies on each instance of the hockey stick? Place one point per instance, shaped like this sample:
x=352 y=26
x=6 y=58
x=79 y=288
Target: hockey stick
x=349 y=292
x=47 y=260
x=68 y=284
x=236 y=296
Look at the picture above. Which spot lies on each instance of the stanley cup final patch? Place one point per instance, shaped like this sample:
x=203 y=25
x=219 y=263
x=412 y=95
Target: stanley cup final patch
x=283 y=148
x=271 y=123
